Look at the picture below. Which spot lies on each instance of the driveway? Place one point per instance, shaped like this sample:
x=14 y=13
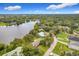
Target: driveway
x=52 y=46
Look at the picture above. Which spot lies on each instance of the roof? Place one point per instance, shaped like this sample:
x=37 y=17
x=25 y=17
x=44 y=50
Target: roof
x=74 y=38
x=41 y=34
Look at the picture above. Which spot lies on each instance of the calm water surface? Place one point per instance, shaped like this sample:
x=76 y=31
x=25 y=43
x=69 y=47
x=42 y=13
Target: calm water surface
x=9 y=33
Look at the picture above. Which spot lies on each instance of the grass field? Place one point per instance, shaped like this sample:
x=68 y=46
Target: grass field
x=3 y=24
x=60 y=49
x=63 y=37
x=43 y=49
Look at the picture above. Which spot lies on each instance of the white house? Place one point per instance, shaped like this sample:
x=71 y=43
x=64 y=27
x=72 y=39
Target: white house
x=42 y=34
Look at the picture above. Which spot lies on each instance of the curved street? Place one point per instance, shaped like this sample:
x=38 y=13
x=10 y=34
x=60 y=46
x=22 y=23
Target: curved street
x=52 y=46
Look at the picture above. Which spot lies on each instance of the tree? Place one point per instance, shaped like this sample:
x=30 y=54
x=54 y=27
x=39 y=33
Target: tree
x=36 y=27
x=2 y=46
x=43 y=20
x=47 y=41
x=29 y=50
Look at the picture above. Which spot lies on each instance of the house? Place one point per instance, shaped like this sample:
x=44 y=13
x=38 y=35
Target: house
x=40 y=30
x=41 y=34
x=36 y=43
x=74 y=42
x=38 y=21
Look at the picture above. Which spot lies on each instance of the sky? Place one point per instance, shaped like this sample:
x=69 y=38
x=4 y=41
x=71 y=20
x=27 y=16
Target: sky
x=39 y=8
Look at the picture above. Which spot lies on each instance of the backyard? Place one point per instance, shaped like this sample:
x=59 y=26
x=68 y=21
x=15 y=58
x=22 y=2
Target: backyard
x=61 y=49
x=62 y=37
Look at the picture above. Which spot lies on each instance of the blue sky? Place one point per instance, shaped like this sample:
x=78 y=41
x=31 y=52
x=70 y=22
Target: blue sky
x=39 y=8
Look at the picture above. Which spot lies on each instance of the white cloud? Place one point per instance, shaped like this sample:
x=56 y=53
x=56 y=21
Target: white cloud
x=12 y=7
x=59 y=6
x=76 y=12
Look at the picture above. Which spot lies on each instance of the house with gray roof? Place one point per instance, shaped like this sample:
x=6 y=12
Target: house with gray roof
x=74 y=42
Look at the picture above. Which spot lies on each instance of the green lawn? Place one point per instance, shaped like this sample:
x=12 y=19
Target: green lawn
x=43 y=49
x=3 y=24
x=39 y=38
x=63 y=37
x=60 y=49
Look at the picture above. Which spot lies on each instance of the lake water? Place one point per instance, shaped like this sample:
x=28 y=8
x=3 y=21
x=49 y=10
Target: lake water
x=9 y=33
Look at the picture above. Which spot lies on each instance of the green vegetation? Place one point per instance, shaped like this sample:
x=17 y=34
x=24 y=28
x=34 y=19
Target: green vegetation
x=42 y=49
x=62 y=50
x=3 y=24
x=29 y=50
x=63 y=37
x=61 y=25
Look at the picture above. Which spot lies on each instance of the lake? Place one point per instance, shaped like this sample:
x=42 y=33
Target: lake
x=9 y=33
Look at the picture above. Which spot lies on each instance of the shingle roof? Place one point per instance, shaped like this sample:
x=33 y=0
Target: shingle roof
x=74 y=38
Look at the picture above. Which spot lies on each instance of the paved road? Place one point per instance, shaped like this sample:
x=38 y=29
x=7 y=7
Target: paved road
x=53 y=44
